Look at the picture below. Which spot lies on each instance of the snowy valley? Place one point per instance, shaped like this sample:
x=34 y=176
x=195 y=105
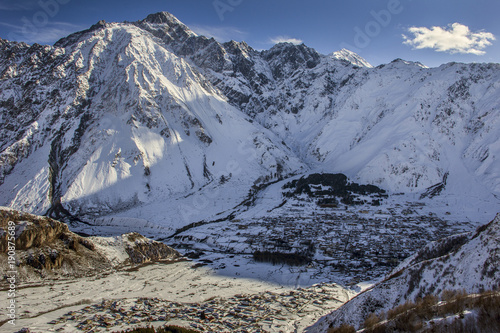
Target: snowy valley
x=299 y=178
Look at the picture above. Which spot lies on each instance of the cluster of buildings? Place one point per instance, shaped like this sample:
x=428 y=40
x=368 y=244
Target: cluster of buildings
x=263 y=312
x=354 y=243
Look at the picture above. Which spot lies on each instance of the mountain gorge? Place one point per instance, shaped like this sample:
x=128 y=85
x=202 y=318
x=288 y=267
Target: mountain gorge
x=126 y=115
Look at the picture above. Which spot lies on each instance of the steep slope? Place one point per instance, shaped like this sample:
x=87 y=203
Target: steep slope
x=401 y=126
x=114 y=120
x=468 y=261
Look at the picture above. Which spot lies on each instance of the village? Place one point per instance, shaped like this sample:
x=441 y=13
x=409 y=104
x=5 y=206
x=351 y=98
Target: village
x=321 y=254
x=263 y=312
x=351 y=244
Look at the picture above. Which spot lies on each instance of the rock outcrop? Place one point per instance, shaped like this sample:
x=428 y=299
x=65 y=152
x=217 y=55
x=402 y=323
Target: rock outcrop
x=46 y=248
x=145 y=250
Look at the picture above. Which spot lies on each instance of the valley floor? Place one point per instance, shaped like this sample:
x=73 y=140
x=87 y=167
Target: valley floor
x=178 y=293
x=226 y=290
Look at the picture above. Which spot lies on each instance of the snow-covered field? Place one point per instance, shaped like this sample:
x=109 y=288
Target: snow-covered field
x=187 y=287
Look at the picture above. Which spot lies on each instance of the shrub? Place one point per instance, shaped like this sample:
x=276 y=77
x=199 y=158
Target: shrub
x=371 y=320
x=372 y=323
x=407 y=322
x=489 y=312
x=391 y=314
x=425 y=308
x=455 y=301
x=410 y=317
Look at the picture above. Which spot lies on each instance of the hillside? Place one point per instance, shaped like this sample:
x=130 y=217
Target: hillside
x=466 y=262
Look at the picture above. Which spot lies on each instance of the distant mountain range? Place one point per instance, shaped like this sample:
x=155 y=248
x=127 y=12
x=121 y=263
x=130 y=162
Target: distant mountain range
x=148 y=117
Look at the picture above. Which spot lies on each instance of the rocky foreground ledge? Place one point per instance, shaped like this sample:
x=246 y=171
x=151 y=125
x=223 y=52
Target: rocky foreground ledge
x=47 y=249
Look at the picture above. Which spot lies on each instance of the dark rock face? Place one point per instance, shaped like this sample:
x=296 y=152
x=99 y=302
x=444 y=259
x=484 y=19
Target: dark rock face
x=47 y=245
x=435 y=189
x=37 y=231
x=285 y=58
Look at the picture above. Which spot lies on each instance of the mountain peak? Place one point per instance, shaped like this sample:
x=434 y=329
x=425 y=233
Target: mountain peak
x=351 y=57
x=168 y=19
x=285 y=57
x=161 y=18
x=166 y=25
x=290 y=48
x=287 y=45
x=240 y=47
x=399 y=61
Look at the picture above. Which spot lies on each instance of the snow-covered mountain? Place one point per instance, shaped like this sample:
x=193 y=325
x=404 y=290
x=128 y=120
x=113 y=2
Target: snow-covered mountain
x=468 y=261
x=114 y=119
x=402 y=125
x=149 y=120
x=351 y=57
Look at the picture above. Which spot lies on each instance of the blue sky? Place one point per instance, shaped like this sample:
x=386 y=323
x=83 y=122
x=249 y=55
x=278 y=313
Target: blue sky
x=432 y=32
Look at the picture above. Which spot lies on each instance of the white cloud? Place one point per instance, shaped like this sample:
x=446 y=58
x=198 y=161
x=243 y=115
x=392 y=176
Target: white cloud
x=221 y=34
x=456 y=38
x=286 y=39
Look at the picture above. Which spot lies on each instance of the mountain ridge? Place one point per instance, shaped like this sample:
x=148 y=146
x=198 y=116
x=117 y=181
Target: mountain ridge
x=209 y=112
